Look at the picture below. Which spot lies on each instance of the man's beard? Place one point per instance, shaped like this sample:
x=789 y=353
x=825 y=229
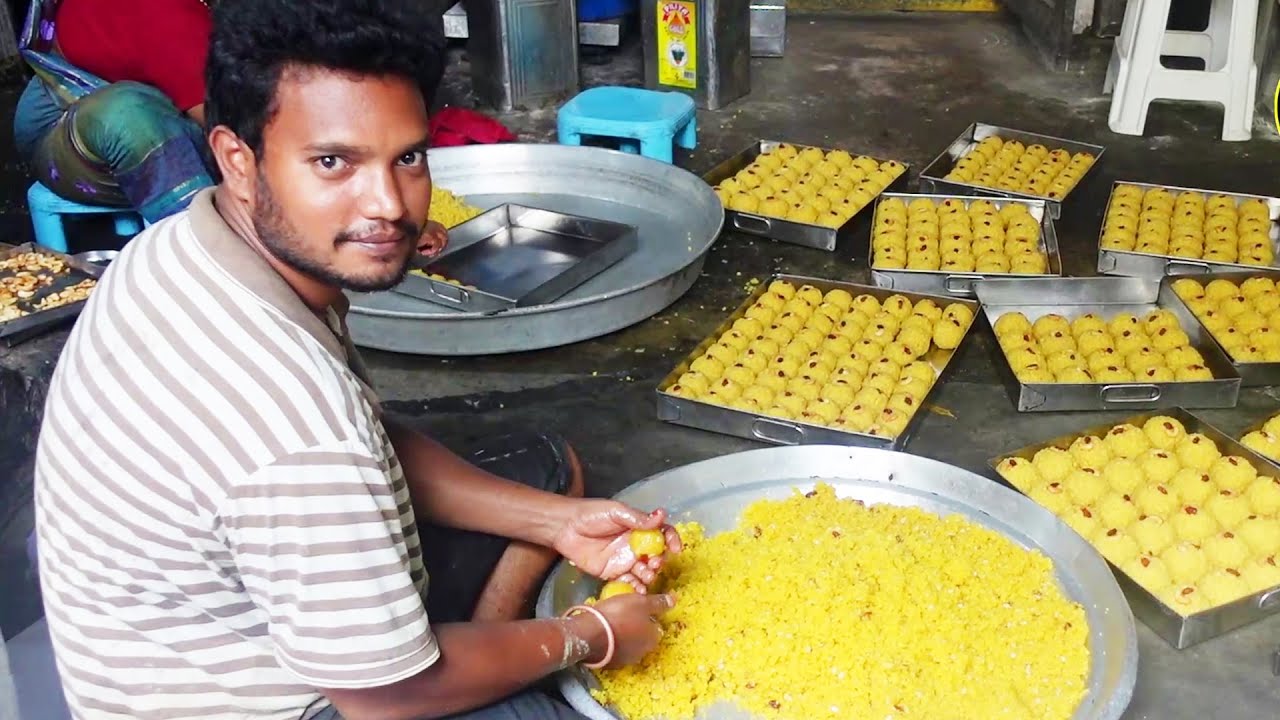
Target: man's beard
x=281 y=239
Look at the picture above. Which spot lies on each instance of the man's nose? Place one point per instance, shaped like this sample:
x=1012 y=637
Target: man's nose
x=381 y=198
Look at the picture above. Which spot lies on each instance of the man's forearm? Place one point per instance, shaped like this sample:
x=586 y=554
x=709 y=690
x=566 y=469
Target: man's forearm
x=450 y=491
x=479 y=663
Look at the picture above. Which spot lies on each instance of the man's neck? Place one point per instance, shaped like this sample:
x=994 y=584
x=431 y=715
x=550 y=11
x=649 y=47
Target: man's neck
x=317 y=296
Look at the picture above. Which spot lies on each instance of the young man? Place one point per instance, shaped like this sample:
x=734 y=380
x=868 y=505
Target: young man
x=227 y=522
x=113 y=115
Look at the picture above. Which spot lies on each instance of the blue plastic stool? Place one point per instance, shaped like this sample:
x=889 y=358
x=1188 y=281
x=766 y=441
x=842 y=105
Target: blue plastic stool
x=47 y=209
x=645 y=121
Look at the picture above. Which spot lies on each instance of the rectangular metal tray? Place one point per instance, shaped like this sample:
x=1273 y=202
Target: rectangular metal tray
x=941 y=282
x=517 y=256
x=788 y=231
x=1180 y=631
x=26 y=327
x=932 y=177
x=1106 y=296
x=1136 y=264
x=763 y=428
x=1252 y=374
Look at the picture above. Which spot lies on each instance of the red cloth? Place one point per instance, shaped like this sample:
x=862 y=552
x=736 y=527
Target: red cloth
x=456 y=126
x=162 y=43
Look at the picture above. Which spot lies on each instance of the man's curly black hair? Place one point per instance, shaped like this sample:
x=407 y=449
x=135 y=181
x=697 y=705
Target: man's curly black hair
x=253 y=41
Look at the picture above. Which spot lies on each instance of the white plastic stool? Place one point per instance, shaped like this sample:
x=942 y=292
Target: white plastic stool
x=1230 y=77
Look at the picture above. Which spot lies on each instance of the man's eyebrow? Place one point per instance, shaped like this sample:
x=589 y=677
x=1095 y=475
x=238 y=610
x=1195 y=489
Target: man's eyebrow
x=422 y=144
x=336 y=148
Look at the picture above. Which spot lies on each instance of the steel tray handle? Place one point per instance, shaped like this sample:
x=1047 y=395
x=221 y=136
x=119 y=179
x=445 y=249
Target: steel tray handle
x=882 y=279
x=753 y=224
x=959 y=284
x=1129 y=393
x=439 y=290
x=1269 y=600
x=761 y=427
x=1185 y=267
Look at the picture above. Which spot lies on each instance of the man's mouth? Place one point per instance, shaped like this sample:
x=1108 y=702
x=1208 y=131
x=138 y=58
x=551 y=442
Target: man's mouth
x=382 y=245
x=380 y=239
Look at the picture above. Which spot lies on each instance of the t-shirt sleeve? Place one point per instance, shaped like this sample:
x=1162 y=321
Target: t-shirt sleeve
x=319 y=540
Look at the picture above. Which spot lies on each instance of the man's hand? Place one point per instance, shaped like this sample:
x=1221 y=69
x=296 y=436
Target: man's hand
x=435 y=238
x=635 y=623
x=595 y=539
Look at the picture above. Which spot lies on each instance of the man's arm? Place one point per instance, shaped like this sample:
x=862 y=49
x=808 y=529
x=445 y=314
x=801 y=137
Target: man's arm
x=316 y=536
x=480 y=663
x=451 y=491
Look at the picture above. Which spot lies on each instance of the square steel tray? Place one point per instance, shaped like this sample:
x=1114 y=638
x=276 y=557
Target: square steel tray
x=1252 y=374
x=941 y=282
x=26 y=327
x=1136 y=264
x=789 y=231
x=764 y=428
x=932 y=177
x=1106 y=296
x=517 y=256
x=1178 y=630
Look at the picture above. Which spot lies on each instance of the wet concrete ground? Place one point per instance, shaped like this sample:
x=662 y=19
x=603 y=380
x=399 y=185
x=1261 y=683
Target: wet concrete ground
x=895 y=86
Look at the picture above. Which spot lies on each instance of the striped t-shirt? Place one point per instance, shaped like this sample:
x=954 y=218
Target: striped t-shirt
x=223 y=525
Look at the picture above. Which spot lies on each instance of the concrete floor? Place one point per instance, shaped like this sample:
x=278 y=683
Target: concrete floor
x=899 y=86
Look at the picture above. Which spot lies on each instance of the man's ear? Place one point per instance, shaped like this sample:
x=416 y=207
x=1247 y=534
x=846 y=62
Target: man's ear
x=237 y=162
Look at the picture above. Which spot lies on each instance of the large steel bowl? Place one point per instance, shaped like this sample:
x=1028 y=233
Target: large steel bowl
x=676 y=215
x=714 y=493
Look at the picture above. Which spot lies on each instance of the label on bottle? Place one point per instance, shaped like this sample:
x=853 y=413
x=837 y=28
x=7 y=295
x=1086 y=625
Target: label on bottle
x=677 y=44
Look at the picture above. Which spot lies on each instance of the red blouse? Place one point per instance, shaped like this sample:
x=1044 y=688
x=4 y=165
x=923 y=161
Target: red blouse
x=162 y=43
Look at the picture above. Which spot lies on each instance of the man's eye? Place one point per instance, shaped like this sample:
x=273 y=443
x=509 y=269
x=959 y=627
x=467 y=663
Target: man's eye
x=413 y=158
x=330 y=162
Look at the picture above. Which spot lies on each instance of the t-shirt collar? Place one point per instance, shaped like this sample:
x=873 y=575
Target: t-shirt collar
x=230 y=251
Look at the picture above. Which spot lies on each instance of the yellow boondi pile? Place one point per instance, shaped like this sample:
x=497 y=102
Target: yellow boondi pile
x=818 y=607
x=448 y=209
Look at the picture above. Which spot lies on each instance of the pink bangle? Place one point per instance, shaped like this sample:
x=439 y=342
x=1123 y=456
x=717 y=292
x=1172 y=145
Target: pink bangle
x=608 y=633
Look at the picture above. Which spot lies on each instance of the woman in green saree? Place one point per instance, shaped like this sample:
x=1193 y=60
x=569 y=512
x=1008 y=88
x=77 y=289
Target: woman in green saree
x=118 y=140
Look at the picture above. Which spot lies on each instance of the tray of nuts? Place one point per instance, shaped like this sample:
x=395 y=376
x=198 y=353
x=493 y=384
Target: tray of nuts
x=40 y=289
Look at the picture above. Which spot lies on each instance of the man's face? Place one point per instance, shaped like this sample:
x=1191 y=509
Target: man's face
x=343 y=188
